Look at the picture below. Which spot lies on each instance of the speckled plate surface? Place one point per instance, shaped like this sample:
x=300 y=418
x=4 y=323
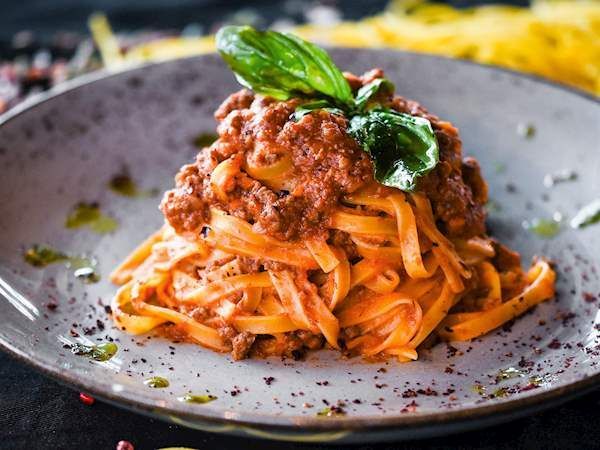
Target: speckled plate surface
x=63 y=149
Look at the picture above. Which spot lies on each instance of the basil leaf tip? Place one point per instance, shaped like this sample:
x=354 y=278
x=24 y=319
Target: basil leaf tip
x=402 y=147
x=307 y=108
x=366 y=93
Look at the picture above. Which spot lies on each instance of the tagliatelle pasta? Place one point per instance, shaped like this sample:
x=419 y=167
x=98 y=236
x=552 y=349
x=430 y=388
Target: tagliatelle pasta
x=274 y=302
x=370 y=262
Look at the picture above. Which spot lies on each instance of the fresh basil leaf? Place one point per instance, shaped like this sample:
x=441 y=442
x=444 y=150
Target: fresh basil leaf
x=281 y=65
x=369 y=90
x=402 y=147
x=307 y=108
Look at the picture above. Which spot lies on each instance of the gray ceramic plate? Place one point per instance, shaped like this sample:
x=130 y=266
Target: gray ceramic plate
x=64 y=147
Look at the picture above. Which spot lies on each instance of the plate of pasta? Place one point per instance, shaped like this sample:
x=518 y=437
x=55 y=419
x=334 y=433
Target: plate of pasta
x=358 y=244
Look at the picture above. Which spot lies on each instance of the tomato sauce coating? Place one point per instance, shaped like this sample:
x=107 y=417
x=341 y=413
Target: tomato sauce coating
x=327 y=163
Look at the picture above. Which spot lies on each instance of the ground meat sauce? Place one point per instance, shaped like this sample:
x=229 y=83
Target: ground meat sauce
x=241 y=345
x=294 y=344
x=327 y=164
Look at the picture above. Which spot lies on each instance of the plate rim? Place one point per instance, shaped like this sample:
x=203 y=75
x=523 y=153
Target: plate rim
x=104 y=73
x=495 y=412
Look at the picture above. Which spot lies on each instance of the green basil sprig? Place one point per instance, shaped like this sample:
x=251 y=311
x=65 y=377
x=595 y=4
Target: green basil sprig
x=281 y=65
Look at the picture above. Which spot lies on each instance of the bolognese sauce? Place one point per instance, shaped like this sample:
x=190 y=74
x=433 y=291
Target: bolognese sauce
x=326 y=164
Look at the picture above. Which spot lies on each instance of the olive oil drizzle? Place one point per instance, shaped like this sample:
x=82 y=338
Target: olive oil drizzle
x=89 y=215
x=83 y=268
x=123 y=184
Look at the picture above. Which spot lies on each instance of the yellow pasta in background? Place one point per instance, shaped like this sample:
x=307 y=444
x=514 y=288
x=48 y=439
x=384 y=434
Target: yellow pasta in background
x=558 y=40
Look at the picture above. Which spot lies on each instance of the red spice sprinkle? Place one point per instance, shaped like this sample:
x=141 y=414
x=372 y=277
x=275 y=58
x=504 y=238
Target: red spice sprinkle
x=52 y=305
x=452 y=351
x=589 y=297
x=525 y=363
x=529 y=387
x=86 y=399
x=565 y=317
x=428 y=392
x=409 y=393
x=125 y=445
x=555 y=344
x=411 y=407
x=507 y=327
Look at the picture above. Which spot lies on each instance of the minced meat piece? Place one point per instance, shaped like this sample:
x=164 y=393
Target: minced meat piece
x=226 y=332
x=241 y=345
x=310 y=340
x=341 y=239
x=292 y=344
x=239 y=100
x=472 y=176
x=249 y=265
x=200 y=314
x=505 y=259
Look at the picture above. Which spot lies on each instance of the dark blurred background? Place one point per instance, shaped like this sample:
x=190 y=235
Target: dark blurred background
x=44 y=42
x=45 y=17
